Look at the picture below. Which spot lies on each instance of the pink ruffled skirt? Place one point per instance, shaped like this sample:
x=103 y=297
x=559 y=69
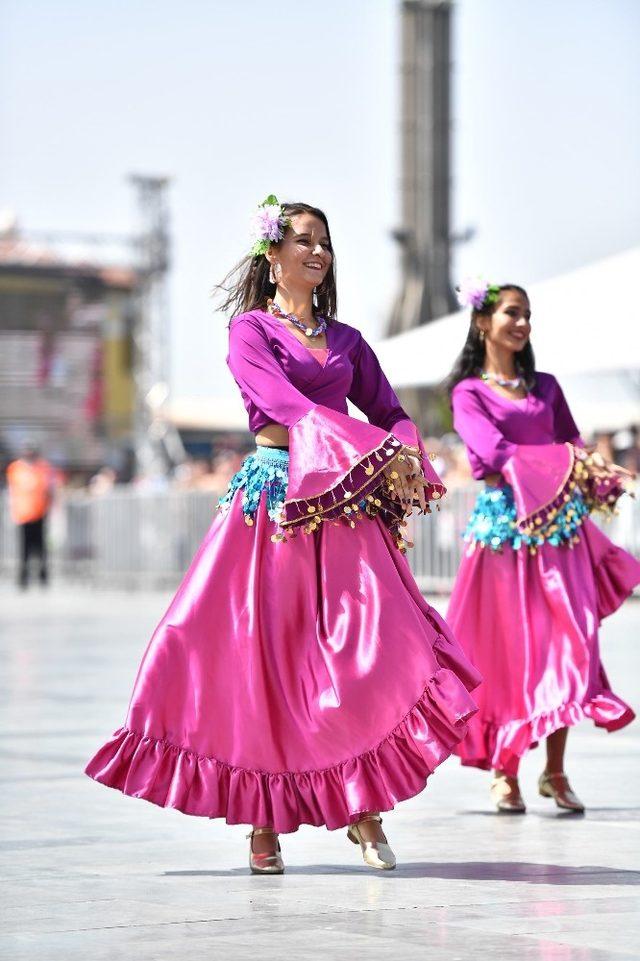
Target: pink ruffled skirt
x=294 y=682
x=529 y=624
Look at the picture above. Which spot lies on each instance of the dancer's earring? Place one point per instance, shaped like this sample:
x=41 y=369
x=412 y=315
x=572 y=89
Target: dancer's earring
x=315 y=297
x=481 y=336
x=272 y=274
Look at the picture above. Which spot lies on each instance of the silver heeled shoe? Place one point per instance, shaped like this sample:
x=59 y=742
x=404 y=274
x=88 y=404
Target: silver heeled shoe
x=557 y=787
x=377 y=854
x=505 y=794
x=265 y=863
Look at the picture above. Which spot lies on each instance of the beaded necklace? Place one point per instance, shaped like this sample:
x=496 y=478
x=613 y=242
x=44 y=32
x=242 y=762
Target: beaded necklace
x=501 y=381
x=277 y=311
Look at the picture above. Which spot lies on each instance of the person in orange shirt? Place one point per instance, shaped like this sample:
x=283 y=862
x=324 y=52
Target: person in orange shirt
x=30 y=480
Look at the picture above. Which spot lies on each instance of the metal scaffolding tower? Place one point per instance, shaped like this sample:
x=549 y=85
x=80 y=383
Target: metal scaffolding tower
x=424 y=236
x=156 y=444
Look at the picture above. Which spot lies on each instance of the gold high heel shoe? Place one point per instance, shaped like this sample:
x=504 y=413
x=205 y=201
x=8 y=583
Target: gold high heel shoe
x=505 y=794
x=265 y=863
x=557 y=787
x=377 y=854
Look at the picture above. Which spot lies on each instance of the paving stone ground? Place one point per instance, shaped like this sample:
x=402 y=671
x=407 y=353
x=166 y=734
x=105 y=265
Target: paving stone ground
x=89 y=874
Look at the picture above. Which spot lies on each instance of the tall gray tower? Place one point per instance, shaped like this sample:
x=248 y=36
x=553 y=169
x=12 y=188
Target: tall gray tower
x=156 y=443
x=424 y=235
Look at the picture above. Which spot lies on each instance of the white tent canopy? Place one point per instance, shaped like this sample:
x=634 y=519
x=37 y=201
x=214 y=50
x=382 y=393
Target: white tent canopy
x=586 y=331
x=224 y=413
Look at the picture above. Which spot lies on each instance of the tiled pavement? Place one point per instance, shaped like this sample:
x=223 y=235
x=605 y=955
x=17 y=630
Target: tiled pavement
x=89 y=874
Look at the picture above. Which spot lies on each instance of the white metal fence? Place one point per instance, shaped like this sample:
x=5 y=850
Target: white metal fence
x=134 y=539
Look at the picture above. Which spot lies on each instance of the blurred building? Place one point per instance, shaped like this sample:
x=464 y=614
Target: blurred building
x=66 y=364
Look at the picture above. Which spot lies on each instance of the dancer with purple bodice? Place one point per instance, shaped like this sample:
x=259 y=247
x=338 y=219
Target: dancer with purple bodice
x=298 y=676
x=537 y=575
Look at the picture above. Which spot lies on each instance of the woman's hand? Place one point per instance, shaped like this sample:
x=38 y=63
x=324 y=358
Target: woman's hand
x=591 y=453
x=405 y=482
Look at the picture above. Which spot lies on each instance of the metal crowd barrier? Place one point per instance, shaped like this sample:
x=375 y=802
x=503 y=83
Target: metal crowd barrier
x=137 y=539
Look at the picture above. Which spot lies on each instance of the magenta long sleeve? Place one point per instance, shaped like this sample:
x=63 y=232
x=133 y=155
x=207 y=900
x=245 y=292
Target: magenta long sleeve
x=487 y=447
x=565 y=428
x=370 y=390
x=262 y=381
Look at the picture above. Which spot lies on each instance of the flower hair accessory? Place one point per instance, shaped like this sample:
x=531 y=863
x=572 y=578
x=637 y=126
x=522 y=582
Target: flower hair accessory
x=477 y=293
x=268 y=225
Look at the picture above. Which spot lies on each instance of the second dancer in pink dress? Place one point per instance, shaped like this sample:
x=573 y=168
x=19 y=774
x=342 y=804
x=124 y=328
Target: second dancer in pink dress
x=538 y=575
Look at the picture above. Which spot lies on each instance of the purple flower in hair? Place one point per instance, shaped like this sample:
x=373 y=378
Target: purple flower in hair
x=268 y=225
x=476 y=293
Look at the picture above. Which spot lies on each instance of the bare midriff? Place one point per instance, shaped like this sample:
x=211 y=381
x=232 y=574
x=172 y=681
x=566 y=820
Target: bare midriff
x=272 y=435
x=493 y=480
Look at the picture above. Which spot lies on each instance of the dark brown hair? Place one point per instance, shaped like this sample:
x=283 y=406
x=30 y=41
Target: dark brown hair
x=471 y=357
x=247 y=286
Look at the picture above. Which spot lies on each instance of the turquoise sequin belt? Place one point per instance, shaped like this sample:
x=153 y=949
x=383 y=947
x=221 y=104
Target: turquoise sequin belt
x=493 y=522
x=267 y=469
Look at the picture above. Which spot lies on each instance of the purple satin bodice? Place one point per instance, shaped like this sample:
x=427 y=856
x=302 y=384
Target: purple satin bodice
x=281 y=380
x=493 y=426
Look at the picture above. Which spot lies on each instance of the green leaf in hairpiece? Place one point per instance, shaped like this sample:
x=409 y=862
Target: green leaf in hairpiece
x=260 y=247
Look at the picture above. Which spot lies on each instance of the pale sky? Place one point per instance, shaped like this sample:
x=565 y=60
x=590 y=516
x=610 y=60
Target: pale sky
x=242 y=98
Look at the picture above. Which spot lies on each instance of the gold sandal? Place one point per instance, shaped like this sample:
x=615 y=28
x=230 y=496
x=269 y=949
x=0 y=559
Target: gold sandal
x=505 y=794
x=265 y=863
x=557 y=786
x=377 y=854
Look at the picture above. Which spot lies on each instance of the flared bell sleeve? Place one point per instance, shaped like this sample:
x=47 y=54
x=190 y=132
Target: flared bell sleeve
x=336 y=462
x=551 y=481
x=547 y=478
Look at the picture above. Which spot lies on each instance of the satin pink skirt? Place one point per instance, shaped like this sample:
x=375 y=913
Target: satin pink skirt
x=291 y=683
x=529 y=624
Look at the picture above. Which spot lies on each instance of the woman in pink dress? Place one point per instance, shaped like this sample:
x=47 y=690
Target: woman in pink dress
x=537 y=576
x=298 y=676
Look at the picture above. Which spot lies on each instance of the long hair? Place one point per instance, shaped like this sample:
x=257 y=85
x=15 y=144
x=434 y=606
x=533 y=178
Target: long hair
x=471 y=357
x=247 y=286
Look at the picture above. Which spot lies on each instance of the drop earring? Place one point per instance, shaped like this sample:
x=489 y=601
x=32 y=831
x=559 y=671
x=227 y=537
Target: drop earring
x=272 y=275
x=481 y=336
x=315 y=297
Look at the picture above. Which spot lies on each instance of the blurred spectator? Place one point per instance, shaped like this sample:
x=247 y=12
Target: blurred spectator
x=225 y=465
x=452 y=453
x=190 y=474
x=198 y=474
x=31 y=482
x=433 y=446
x=103 y=481
x=150 y=482
x=604 y=446
x=627 y=449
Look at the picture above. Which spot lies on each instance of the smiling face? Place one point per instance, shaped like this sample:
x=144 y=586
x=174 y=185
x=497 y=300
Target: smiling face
x=303 y=257
x=509 y=326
